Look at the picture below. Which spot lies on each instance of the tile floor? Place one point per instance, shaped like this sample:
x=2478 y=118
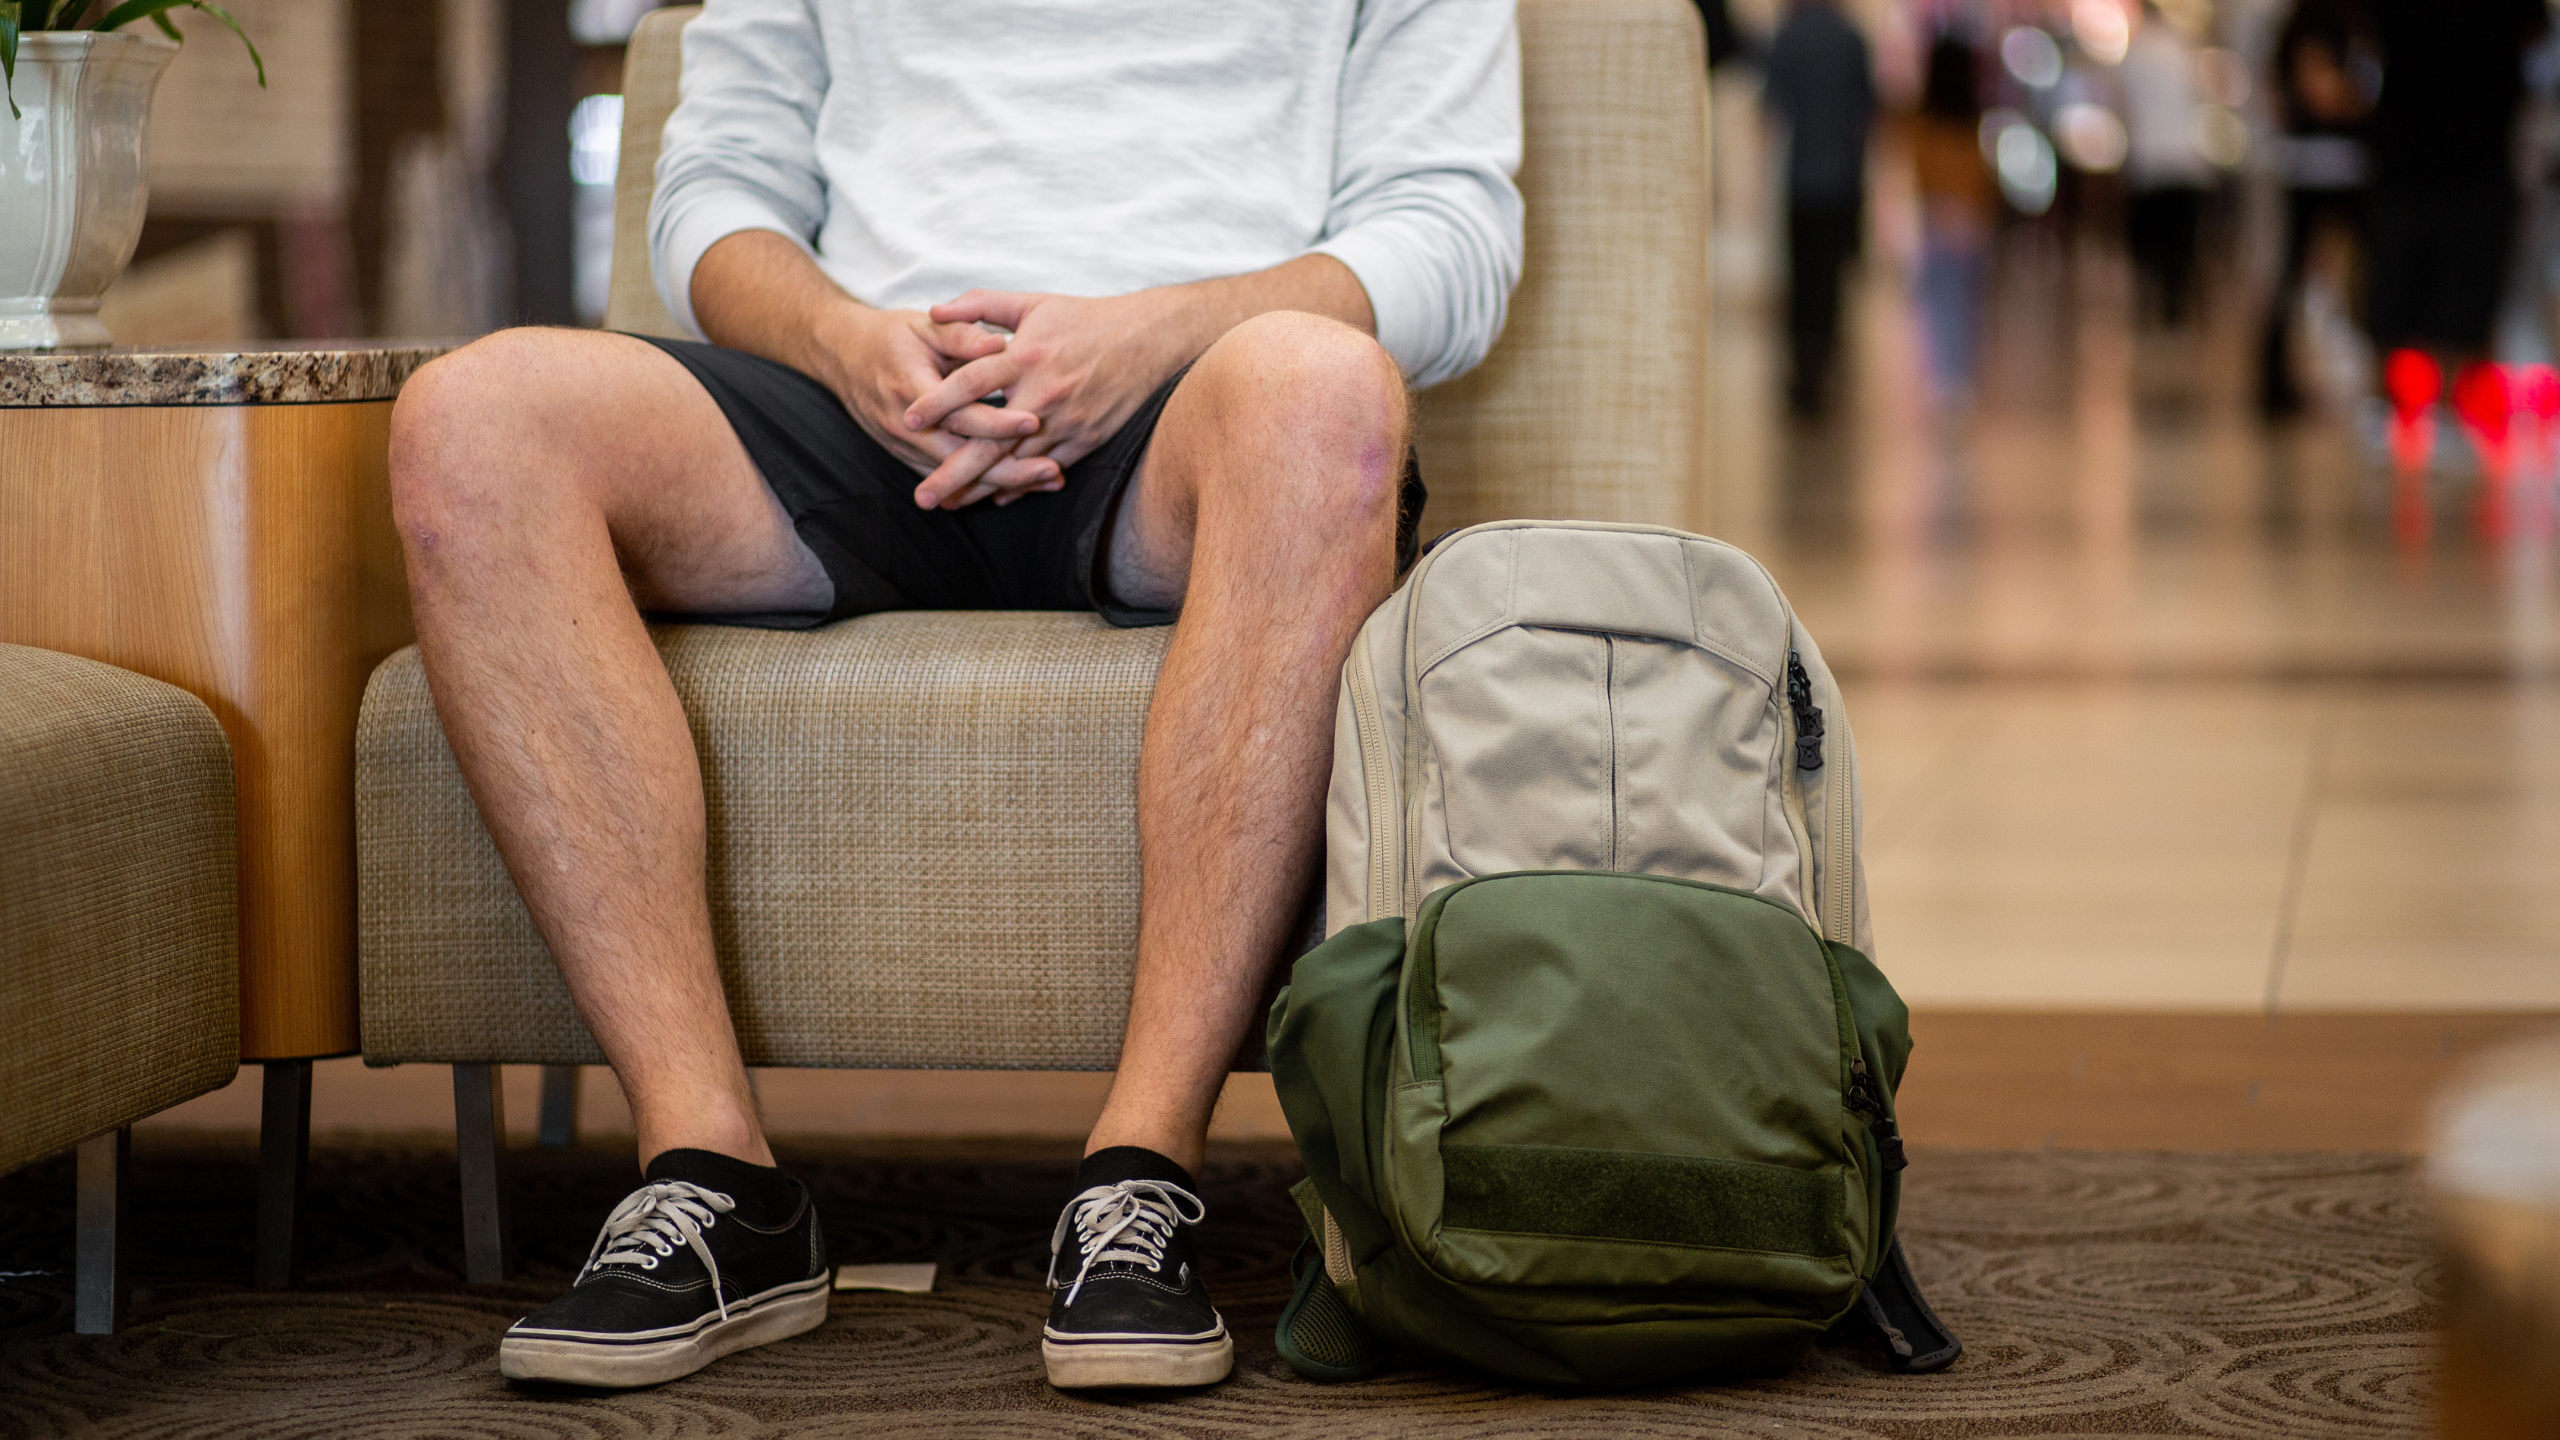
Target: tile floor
x=2215 y=845
x=2159 y=707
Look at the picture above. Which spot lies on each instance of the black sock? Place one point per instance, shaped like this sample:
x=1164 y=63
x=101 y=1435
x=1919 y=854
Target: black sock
x=766 y=1196
x=1116 y=1163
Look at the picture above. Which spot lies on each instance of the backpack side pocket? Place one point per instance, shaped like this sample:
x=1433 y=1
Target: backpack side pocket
x=1332 y=1032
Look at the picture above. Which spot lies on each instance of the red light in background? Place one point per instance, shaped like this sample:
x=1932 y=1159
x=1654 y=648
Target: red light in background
x=2480 y=397
x=2537 y=391
x=2412 y=379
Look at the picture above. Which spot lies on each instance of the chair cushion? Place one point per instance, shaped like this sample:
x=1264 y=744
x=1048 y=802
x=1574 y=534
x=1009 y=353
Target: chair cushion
x=923 y=850
x=119 y=895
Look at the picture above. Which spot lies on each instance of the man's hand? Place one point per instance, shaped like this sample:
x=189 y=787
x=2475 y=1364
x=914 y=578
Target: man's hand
x=1085 y=366
x=1081 y=366
x=881 y=362
x=1072 y=374
x=760 y=292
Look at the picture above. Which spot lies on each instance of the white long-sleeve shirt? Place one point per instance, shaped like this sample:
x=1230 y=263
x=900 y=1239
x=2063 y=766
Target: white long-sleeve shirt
x=1096 y=147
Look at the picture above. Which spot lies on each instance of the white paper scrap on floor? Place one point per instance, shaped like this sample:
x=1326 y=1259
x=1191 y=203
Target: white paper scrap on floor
x=905 y=1279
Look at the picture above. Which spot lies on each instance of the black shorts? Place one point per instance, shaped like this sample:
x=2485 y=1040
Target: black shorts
x=854 y=505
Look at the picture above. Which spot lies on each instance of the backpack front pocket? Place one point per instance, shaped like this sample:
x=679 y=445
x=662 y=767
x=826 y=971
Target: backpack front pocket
x=1628 y=1081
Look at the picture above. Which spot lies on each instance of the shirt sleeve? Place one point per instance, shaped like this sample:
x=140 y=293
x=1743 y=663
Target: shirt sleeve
x=1424 y=211
x=740 y=149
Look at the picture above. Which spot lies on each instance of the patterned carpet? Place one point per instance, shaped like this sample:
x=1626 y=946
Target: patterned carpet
x=2098 y=1294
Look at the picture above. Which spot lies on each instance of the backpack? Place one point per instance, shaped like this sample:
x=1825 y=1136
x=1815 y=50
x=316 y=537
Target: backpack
x=1593 y=1075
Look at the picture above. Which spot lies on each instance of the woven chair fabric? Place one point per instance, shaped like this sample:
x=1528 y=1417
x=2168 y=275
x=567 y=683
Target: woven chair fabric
x=923 y=850
x=119 y=895
x=1592 y=405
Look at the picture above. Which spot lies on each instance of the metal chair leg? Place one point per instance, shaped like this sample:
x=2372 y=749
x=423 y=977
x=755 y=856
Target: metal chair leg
x=284 y=1163
x=559 y=1127
x=100 y=1236
x=480 y=1135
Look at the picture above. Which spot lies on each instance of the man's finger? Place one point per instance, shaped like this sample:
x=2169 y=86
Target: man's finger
x=987 y=422
x=1007 y=480
x=1043 y=488
x=972 y=382
x=924 y=451
x=1059 y=447
x=1015 y=473
x=958 y=471
x=961 y=341
x=995 y=307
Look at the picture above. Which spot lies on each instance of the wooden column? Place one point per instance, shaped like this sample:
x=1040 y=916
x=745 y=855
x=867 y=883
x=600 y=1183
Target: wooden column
x=244 y=553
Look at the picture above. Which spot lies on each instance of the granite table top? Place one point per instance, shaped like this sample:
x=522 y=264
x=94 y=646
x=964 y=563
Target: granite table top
x=278 y=373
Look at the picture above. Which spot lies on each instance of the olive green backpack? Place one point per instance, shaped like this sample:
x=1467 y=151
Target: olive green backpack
x=1593 y=1076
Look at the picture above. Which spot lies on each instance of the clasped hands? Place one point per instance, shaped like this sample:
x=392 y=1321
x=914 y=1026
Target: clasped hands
x=1071 y=371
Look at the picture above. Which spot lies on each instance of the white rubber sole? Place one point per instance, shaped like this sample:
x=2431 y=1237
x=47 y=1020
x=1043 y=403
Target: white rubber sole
x=562 y=1360
x=1153 y=1364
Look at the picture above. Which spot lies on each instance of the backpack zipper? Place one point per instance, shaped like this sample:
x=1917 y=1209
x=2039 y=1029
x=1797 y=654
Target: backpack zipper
x=1840 y=835
x=1791 y=798
x=1791 y=793
x=1337 y=1254
x=1866 y=1098
x=1408 y=812
x=1386 y=817
x=1836 y=896
x=1808 y=715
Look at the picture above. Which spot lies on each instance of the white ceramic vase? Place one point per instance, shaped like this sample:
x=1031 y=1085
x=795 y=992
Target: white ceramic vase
x=72 y=187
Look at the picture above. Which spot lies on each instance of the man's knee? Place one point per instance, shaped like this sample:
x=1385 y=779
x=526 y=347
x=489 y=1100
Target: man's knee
x=1326 y=392
x=458 y=412
x=1313 y=372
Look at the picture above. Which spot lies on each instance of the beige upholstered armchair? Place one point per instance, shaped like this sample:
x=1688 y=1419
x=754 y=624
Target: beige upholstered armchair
x=120 y=995
x=923 y=839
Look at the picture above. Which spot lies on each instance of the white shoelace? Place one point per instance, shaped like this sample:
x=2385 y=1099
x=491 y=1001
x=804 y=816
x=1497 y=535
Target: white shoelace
x=652 y=1221
x=1128 y=1221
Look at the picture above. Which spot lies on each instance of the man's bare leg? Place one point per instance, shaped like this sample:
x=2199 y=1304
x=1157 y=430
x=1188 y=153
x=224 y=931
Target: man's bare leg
x=1266 y=506
x=543 y=479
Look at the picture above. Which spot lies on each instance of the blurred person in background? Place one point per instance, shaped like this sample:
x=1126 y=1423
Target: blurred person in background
x=2539 y=266
x=1955 y=211
x=2325 y=76
x=1725 y=40
x=2165 y=169
x=1821 y=89
x=2444 y=202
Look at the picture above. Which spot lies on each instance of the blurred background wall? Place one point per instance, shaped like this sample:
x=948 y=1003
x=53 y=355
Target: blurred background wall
x=440 y=169
x=446 y=168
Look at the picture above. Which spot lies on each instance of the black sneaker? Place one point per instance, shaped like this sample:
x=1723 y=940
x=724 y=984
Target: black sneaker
x=1131 y=1308
x=712 y=1255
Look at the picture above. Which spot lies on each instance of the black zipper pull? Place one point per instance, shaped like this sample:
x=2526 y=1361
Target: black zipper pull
x=1867 y=1098
x=1808 y=715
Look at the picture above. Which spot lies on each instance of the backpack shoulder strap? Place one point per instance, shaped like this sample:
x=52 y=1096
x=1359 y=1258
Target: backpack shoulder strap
x=1892 y=1304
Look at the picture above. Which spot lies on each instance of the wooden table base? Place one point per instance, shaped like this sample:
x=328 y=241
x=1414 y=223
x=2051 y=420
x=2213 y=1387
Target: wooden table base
x=244 y=553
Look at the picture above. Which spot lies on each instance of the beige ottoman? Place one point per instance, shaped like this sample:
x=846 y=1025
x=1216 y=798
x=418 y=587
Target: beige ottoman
x=119 y=899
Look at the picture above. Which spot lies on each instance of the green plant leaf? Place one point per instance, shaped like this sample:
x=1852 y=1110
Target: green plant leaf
x=9 y=54
x=168 y=27
x=133 y=10
x=158 y=10
x=218 y=13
